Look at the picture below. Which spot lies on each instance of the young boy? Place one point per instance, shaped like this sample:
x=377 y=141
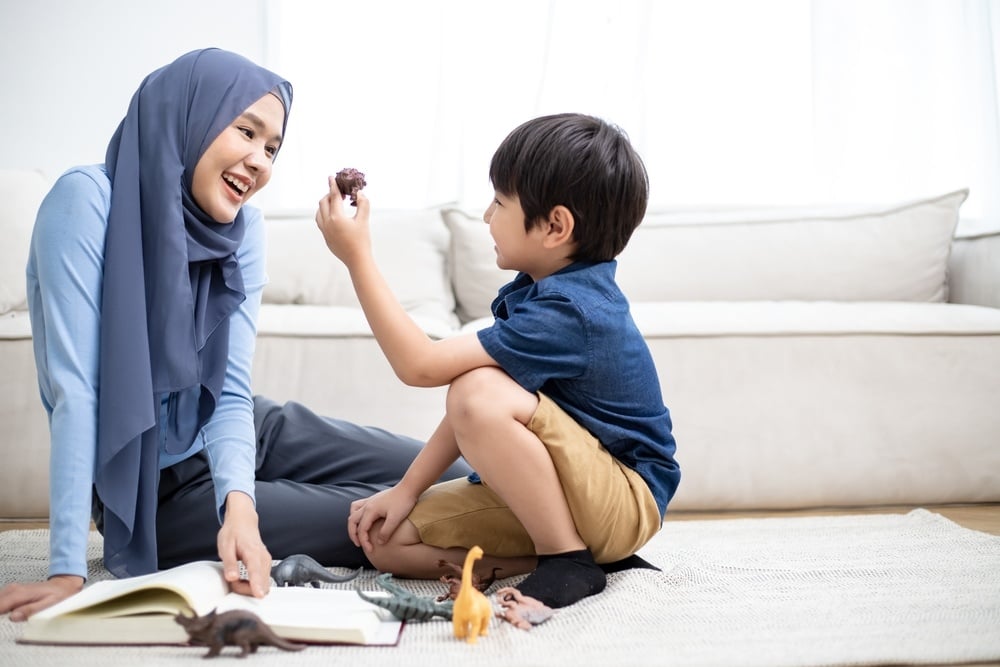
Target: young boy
x=557 y=405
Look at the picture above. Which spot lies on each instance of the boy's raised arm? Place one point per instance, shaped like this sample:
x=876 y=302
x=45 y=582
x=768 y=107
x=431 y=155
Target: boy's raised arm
x=416 y=359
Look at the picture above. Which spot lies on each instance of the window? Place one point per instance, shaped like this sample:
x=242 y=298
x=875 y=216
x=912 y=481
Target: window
x=731 y=103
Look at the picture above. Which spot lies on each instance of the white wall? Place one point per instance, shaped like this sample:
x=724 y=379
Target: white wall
x=68 y=68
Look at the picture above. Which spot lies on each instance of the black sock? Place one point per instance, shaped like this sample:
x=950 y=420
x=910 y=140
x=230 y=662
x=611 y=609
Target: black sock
x=628 y=563
x=562 y=579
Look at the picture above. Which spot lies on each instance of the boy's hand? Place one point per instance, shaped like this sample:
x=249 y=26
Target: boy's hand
x=347 y=237
x=391 y=505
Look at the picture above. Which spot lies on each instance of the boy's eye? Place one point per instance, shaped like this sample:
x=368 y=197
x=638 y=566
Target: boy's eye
x=271 y=150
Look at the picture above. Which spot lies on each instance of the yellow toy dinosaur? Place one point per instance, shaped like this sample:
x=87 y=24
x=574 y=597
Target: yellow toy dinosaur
x=472 y=611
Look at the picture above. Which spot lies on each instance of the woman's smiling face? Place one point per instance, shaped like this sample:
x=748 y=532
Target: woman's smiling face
x=238 y=163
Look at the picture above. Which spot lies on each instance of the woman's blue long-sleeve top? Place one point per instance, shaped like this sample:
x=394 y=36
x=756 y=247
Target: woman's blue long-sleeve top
x=64 y=278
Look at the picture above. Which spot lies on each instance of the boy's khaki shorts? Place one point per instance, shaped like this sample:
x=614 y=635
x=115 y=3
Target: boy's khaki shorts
x=612 y=507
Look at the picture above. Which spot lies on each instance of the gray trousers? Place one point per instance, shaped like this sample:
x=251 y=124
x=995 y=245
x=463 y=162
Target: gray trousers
x=309 y=470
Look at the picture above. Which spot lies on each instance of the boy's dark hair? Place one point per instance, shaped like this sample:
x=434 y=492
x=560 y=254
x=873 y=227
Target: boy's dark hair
x=583 y=163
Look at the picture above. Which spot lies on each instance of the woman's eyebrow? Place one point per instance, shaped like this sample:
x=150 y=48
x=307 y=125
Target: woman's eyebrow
x=259 y=124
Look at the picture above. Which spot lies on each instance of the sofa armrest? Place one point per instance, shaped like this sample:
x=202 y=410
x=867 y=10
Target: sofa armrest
x=974 y=270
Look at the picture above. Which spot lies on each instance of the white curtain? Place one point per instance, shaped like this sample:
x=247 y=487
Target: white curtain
x=905 y=101
x=730 y=102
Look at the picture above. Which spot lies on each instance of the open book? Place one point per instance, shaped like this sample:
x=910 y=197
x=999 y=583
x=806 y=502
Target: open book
x=141 y=610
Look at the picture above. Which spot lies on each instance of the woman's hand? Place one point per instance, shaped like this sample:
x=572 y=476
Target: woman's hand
x=347 y=237
x=23 y=600
x=239 y=540
x=391 y=505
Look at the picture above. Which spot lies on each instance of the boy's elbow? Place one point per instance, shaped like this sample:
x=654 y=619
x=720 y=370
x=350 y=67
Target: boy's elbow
x=417 y=375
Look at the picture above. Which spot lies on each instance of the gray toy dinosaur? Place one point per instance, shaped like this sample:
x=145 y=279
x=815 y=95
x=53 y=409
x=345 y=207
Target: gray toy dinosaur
x=300 y=569
x=407 y=606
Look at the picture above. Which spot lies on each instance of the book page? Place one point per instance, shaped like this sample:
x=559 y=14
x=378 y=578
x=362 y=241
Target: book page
x=319 y=614
x=198 y=586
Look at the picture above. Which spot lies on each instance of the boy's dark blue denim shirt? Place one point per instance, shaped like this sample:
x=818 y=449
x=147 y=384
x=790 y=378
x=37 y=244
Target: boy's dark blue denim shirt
x=571 y=336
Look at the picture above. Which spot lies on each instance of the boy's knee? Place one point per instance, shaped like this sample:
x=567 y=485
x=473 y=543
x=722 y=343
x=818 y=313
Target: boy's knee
x=469 y=394
x=488 y=393
x=477 y=380
x=386 y=557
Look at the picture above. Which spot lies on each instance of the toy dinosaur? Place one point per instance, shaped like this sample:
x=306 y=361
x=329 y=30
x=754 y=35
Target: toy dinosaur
x=454 y=581
x=521 y=611
x=300 y=569
x=232 y=628
x=472 y=611
x=350 y=181
x=404 y=605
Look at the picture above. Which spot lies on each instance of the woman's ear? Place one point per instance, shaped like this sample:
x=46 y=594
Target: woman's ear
x=560 y=227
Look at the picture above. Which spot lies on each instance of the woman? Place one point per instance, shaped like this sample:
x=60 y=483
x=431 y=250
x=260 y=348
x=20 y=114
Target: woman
x=145 y=277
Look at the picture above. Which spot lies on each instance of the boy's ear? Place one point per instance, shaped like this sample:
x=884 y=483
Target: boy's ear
x=560 y=226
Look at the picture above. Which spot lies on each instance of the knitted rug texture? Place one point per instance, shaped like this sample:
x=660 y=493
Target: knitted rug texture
x=871 y=589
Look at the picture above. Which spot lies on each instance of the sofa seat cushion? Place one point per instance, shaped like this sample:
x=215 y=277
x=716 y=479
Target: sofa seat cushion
x=333 y=364
x=812 y=318
x=24 y=445
x=789 y=404
x=15 y=325
x=819 y=421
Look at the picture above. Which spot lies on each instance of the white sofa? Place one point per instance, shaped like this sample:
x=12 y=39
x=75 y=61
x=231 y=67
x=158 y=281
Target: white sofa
x=830 y=357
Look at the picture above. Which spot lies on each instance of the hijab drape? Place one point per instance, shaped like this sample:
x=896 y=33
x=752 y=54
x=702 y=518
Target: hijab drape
x=171 y=282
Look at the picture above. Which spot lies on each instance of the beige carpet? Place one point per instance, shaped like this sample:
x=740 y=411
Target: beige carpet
x=846 y=590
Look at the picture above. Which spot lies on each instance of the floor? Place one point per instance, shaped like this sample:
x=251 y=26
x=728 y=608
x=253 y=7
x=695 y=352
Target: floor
x=984 y=517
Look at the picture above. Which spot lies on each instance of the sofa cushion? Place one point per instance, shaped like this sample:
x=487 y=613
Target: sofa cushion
x=862 y=253
x=472 y=264
x=21 y=191
x=889 y=253
x=410 y=247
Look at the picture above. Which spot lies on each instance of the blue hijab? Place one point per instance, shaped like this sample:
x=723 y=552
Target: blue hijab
x=171 y=282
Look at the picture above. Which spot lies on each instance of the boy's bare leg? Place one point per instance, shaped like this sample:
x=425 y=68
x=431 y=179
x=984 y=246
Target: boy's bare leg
x=489 y=414
x=406 y=556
